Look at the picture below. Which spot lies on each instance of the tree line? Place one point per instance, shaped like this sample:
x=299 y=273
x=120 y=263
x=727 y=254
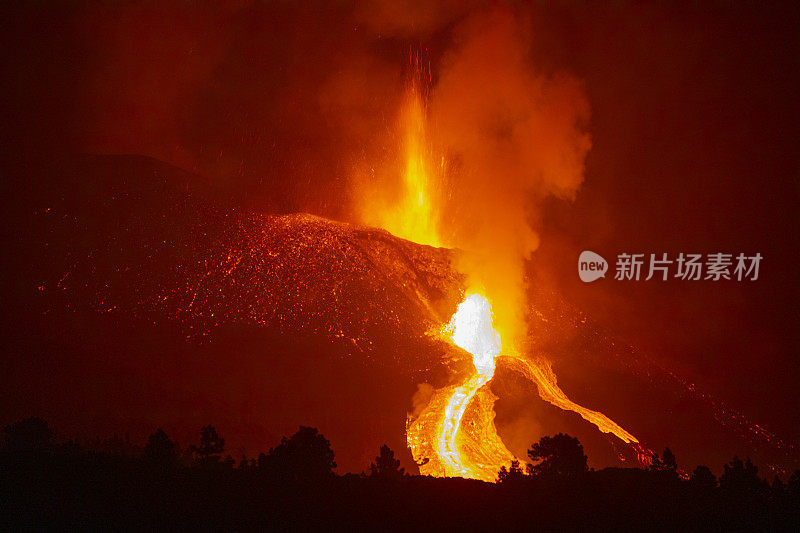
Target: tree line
x=296 y=480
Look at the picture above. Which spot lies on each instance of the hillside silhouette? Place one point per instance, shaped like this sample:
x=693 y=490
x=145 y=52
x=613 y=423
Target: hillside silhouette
x=50 y=484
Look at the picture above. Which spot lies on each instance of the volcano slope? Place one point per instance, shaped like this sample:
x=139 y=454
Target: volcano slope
x=140 y=297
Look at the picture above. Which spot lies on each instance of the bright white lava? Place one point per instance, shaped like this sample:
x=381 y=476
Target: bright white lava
x=471 y=329
x=478 y=452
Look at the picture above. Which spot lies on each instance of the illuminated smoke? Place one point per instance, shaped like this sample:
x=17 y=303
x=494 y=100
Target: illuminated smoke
x=513 y=136
x=496 y=138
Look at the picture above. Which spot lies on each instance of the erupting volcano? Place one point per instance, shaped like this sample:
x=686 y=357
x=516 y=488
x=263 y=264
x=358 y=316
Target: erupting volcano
x=322 y=231
x=455 y=435
x=399 y=265
x=463 y=324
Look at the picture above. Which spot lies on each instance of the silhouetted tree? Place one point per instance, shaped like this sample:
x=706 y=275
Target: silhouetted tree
x=211 y=446
x=703 y=478
x=561 y=455
x=160 y=450
x=739 y=477
x=30 y=434
x=669 y=460
x=778 y=486
x=246 y=464
x=794 y=483
x=386 y=466
x=306 y=455
x=263 y=461
x=511 y=475
x=666 y=464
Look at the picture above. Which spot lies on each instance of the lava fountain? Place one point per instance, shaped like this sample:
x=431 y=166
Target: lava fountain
x=454 y=433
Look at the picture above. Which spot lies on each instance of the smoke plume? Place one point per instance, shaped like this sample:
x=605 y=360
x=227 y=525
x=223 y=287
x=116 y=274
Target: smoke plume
x=503 y=135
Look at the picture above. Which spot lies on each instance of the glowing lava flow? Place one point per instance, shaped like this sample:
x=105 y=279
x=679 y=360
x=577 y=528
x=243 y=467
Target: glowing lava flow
x=471 y=329
x=455 y=435
x=549 y=391
x=437 y=435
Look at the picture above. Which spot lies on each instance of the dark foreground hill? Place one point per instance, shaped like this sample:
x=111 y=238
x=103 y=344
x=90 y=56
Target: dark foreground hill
x=138 y=296
x=112 y=493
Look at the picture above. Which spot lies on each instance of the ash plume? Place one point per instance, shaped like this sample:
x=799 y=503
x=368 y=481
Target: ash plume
x=503 y=134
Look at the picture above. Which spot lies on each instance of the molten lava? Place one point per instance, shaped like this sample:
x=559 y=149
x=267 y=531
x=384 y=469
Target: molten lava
x=436 y=434
x=454 y=434
x=471 y=329
x=439 y=439
x=412 y=215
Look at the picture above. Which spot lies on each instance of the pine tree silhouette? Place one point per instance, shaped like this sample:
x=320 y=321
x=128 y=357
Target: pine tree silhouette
x=385 y=466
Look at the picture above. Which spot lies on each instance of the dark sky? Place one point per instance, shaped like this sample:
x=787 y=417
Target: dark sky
x=694 y=125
